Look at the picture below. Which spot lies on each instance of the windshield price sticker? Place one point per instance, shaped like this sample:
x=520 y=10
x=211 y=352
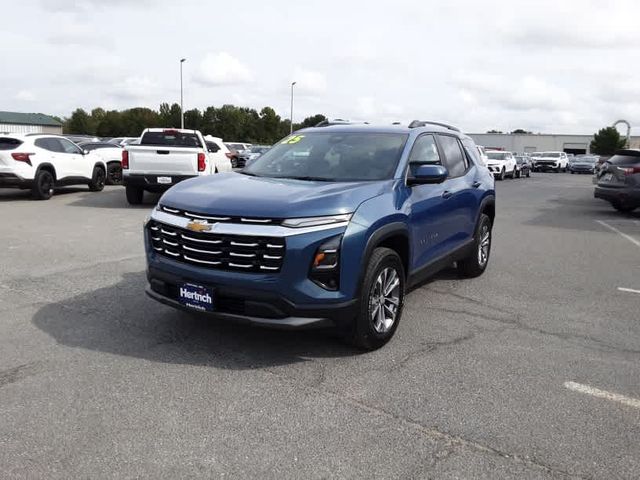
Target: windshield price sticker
x=292 y=140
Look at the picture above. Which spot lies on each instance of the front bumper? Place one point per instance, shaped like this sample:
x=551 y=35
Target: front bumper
x=252 y=306
x=150 y=182
x=625 y=195
x=546 y=166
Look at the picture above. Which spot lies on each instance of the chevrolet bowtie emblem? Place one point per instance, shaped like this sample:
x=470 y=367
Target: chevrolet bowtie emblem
x=199 y=226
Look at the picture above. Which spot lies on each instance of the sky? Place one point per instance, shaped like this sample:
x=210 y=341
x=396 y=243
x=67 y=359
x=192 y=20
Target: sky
x=559 y=66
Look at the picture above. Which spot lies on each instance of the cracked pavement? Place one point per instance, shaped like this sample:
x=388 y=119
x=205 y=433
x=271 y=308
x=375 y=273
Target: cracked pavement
x=97 y=381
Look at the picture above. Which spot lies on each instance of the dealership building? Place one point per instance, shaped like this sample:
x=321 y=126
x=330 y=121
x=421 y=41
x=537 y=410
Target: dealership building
x=538 y=142
x=16 y=122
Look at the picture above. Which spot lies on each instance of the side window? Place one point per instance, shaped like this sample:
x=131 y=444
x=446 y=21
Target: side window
x=425 y=151
x=212 y=147
x=50 y=144
x=454 y=158
x=473 y=151
x=68 y=147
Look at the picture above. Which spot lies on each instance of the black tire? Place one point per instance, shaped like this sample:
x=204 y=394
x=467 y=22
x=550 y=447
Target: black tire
x=518 y=174
x=43 y=185
x=572 y=172
x=363 y=333
x=98 y=180
x=623 y=207
x=114 y=174
x=528 y=173
x=134 y=195
x=502 y=174
x=475 y=264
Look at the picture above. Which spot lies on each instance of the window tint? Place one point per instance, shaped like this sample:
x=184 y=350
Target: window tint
x=454 y=158
x=212 y=147
x=473 y=151
x=67 y=146
x=9 y=143
x=622 y=159
x=171 y=138
x=50 y=144
x=425 y=151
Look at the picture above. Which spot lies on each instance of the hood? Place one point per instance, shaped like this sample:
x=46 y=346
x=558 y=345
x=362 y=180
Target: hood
x=235 y=194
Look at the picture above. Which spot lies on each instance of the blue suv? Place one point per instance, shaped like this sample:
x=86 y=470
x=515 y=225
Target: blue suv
x=330 y=227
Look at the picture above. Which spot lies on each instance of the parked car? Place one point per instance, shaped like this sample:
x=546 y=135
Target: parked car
x=164 y=157
x=42 y=162
x=330 y=227
x=583 y=164
x=111 y=155
x=483 y=155
x=619 y=181
x=219 y=154
x=501 y=164
x=236 y=149
x=77 y=139
x=554 y=161
x=122 y=141
x=250 y=154
x=523 y=166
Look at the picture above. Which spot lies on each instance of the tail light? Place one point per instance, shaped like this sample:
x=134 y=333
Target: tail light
x=125 y=159
x=202 y=162
x=22 y=157
x=630 y=170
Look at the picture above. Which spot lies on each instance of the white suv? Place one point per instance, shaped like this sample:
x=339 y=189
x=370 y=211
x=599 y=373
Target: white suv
x=501 y=164
x=42 y=162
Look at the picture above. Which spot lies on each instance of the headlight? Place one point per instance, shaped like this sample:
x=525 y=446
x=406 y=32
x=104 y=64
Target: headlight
x=315 y=221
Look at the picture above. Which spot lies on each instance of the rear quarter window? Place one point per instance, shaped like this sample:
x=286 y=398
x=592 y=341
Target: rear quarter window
x=7 y=143
x=171 y=138
x=620 y=159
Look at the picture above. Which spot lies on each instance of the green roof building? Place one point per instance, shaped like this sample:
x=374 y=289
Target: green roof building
x=15 y=122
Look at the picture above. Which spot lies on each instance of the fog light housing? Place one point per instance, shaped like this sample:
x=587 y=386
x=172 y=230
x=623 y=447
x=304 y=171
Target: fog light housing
x=325 y=266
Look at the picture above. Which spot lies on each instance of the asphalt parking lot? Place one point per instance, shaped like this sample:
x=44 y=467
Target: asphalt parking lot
x=530 y=371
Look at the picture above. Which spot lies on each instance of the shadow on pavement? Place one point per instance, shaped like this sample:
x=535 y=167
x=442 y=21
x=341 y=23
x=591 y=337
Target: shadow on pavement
x=121 y=320
x=113 y=197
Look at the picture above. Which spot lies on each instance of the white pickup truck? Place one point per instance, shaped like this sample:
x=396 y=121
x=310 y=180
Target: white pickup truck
x=166 y=156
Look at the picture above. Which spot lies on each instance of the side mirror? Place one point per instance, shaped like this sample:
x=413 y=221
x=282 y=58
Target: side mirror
x=428 y=174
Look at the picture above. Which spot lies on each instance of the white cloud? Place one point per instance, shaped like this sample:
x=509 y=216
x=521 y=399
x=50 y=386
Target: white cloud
x=222 y=69
x=309 y=82
x=26 y=96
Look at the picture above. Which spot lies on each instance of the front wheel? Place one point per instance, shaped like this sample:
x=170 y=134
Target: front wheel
x=476 y=262
x=381 y=300
x=518 y=174
x=502 y=174
x=528 y=173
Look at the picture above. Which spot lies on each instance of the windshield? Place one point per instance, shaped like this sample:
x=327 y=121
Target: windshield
x=585 y=160
x=171 y=138
x=338 y=157
x=497 y=155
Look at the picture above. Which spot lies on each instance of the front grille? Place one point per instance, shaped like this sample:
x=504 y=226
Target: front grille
x=222 y=252
x=219 y=218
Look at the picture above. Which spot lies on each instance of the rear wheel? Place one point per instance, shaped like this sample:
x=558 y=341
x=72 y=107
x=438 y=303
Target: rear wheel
x=98 y=180
x=134 y=195
x=114 y=174
x=43 y=185
x=518 y=174
x=623 y=207
x=381 y=300
x=476 y=263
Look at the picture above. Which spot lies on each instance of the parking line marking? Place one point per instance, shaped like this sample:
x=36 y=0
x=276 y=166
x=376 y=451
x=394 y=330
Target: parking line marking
x=596 y=392
x=614 y=229
x=629 y=290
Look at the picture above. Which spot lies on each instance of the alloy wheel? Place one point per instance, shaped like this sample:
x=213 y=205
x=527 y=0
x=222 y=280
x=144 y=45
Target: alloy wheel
x=384 y=300
x=484 y=245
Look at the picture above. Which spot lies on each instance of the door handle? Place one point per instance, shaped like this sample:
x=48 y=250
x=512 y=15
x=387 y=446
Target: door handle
x=447 y=194
x=476 y=184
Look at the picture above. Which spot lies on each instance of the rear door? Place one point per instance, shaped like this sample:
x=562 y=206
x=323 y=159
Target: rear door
x=459 y=198
x=166 y=152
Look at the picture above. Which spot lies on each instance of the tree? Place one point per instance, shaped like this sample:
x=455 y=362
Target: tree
x=607 y=141
x=494 y=131
x=520 y=131
x=310 y=121
x=80 y=122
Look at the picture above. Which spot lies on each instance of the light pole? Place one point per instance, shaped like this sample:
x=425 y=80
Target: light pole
x=182 y=60
x=291 y=130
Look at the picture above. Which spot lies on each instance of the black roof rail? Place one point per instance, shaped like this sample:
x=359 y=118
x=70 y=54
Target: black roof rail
x=424 y=123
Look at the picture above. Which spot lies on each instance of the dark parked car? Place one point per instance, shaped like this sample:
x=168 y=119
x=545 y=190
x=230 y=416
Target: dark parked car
x=583 y=164
x=250 y=154
x=619 y=181
x=523 y=166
